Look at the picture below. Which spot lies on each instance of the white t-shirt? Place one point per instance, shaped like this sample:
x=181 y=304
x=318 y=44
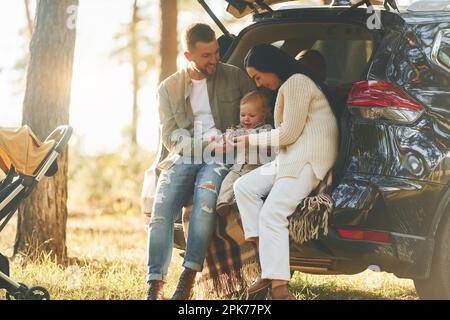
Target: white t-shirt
x=202 y=109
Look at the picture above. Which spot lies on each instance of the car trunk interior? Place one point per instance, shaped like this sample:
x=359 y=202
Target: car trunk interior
x=347 y=49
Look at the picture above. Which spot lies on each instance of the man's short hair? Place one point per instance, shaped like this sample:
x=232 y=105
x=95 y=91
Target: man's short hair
x=197 y=32
x=257 y=95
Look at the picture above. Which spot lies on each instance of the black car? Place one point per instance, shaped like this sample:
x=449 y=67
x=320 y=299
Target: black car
x=391 y=70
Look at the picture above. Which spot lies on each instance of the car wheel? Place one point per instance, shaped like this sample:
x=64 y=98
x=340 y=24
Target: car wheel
x=437 y=286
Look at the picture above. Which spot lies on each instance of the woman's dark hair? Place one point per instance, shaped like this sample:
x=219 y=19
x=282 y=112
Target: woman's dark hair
x=267 y=58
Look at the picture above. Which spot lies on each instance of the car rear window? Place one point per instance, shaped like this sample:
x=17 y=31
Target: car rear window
x=346 y=59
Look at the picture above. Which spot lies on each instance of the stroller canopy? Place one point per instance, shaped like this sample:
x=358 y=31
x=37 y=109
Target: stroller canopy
x=21 y=148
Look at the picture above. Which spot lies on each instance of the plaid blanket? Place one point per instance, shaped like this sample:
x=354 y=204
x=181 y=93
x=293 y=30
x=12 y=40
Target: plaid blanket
x=232 y=263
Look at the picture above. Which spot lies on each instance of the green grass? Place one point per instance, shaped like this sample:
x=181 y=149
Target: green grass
x=108 y=254
x=368 y=285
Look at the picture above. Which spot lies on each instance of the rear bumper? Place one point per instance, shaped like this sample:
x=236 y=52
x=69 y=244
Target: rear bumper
x=406 y=256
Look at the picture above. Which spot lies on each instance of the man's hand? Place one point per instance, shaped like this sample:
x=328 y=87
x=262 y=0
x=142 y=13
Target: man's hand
x=241 y=142
x=218 y=144
x=147 y=219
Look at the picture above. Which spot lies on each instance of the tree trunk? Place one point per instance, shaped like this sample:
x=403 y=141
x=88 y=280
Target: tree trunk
x=136 y=78
x=169 y=39
x=43 y=215
x=28 y=16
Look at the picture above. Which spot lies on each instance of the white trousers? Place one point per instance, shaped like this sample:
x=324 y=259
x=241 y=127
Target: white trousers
x=268 y=219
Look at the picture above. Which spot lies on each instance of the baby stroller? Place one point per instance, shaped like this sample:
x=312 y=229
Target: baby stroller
x=25 y=160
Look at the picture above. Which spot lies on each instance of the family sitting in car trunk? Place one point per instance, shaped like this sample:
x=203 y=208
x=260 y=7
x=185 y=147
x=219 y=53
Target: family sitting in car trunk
x=244 y=164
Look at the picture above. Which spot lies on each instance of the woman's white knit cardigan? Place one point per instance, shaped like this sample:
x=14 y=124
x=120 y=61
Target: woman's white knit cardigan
x=305 y=131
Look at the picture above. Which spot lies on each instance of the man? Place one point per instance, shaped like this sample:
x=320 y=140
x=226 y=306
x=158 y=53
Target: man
x=203 y=96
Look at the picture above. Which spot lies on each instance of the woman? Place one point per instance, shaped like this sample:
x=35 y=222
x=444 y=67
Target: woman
x=306 y=133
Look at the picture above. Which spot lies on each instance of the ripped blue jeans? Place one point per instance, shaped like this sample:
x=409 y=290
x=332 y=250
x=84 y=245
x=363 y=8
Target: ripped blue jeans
x=175 y=188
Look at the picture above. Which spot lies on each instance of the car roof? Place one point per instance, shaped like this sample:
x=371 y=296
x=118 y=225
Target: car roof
x=242 y=8
x=416 y=6
x=423 y=6
x=415 y=14
x=321 y=12
x=419 y=13
x=426 y=11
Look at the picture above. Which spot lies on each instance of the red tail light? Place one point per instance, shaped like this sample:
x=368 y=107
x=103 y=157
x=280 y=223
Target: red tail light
x=383 y=100
x=364 y=235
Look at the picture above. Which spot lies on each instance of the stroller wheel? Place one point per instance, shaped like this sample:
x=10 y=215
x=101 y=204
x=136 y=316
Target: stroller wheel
x=37 y=293
x=17 y=294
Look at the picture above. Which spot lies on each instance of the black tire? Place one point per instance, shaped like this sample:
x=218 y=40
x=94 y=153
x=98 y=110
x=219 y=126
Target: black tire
x=37 y=293
x=437 y=286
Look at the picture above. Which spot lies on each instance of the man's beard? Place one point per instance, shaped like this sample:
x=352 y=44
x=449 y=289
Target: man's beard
x=205 y=71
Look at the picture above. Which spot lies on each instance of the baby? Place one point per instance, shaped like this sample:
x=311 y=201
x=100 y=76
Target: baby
x=254 y=112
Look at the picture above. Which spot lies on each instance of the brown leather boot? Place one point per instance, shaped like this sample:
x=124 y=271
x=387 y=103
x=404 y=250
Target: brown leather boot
x=185 y=285
x=258 y=289
x=154 y=291
x=282 y=293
